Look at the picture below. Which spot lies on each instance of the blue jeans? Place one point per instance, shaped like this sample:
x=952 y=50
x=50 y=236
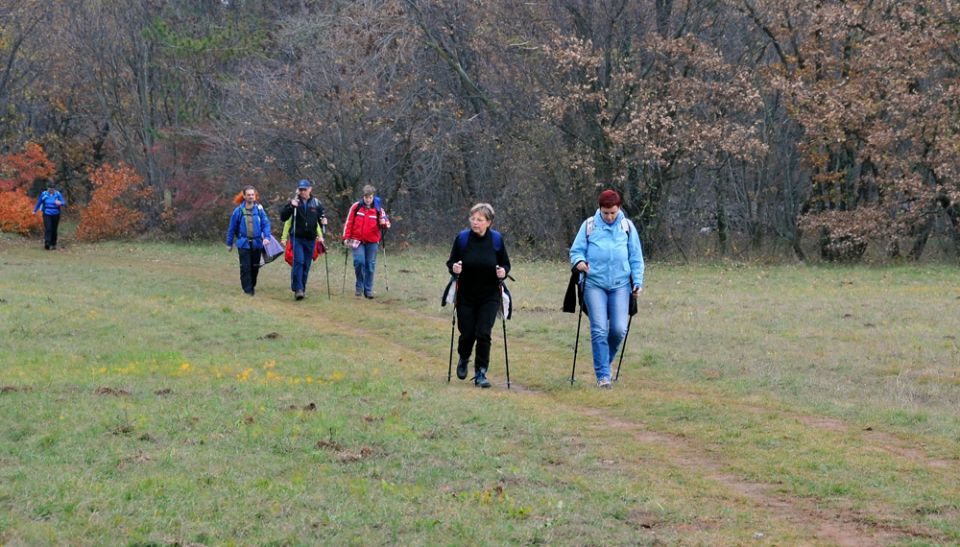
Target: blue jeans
x=364 y=264
x=608 y=311
x=302 y=258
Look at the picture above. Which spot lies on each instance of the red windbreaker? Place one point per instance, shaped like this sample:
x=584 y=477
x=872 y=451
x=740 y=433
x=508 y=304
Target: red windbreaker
x=362 y=223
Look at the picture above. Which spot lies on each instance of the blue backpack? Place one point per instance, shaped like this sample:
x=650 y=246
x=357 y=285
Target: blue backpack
x=463 y=235
x=450 y=292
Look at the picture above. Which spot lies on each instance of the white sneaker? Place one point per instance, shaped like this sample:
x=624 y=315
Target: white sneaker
x=604 y=383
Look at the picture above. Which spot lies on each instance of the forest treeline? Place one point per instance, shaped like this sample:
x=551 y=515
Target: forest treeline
x=810 y=128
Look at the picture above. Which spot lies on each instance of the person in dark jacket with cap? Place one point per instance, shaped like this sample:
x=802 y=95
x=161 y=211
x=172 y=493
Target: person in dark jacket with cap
x=50 y=201
x=308 y=220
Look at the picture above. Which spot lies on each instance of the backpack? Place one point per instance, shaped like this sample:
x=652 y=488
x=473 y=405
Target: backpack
x=624 y=225
x=376 y=206
x=257 y=210
x=575 y=287
x=450 y=292
x=465 y=234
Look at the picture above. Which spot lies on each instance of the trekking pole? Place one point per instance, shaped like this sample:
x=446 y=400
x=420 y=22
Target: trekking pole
x=293 y=235
x=386 y=280
x=453 y=325
x=503 y=321
x=346 y=254
x=624 y=347
x=326 y=266
x=576 y=345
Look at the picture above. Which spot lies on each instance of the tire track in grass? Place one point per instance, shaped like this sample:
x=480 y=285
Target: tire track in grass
x=839 y=527
x=832 y=526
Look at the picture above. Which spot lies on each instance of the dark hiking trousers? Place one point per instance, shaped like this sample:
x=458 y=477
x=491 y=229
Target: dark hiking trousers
x=249 y=268
x=475 y=320
x=50 y=225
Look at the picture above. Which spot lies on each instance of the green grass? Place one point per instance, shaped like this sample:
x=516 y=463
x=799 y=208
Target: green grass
x=145 y=400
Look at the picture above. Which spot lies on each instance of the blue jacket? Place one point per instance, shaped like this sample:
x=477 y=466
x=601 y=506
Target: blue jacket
x=238 y=227
x=48 y=202
x=613 y=253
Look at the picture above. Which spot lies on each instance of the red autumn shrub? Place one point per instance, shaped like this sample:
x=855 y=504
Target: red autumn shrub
x=17 y=173
x=16 y=213
x=113 y=212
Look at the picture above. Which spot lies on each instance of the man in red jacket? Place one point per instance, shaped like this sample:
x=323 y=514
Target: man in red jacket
x=361 y=232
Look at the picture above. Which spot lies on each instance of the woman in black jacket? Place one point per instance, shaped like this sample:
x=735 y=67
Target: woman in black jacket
x=480 y=262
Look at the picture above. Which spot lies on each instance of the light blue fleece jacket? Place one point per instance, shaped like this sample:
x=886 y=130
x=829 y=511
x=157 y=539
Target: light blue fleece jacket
x=615 y=257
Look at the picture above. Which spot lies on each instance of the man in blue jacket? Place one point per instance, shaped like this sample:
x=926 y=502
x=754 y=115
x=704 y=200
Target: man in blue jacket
x=51 y=201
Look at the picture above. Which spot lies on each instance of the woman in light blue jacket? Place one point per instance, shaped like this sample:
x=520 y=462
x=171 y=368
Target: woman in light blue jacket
x=607 y=253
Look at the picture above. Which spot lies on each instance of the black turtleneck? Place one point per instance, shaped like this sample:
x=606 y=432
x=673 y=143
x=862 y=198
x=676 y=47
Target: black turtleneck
x=478 y=279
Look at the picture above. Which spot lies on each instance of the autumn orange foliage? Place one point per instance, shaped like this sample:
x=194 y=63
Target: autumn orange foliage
x=112 y=212
x=16 y=209
x=17 y=173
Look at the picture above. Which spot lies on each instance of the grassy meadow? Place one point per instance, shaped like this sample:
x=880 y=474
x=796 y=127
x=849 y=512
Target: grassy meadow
x=145 y=400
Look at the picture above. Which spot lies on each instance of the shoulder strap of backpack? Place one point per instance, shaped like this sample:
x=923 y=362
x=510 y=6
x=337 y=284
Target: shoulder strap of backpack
x=464 y=234
x=624 y=225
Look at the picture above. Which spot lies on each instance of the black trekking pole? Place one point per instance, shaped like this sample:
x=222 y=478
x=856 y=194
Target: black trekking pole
x=453 y=325
x=576 y=345
x=624 y=347
x=503 y=321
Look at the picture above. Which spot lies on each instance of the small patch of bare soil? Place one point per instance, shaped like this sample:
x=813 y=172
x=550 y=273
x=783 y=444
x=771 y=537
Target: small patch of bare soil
x=116 y=392
x=139 y=457
x=344 y=454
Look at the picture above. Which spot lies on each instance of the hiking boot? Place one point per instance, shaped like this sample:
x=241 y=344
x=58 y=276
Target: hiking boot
x=480 y=380
x=369 y=296
x=298 y=295
x=604 y=383
x=358 y=294
x=462 y=368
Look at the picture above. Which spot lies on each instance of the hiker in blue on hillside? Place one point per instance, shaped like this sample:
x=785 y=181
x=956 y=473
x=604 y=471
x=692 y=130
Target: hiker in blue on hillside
x=250 y=227
x=607 y=253
x=50 y=201
x=480 y=262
